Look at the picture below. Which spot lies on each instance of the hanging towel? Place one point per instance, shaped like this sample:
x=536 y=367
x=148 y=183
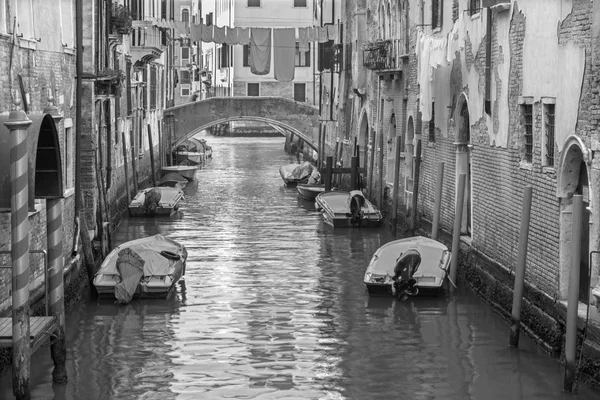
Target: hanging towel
x=232 y=36
x=312 y=34
x=332 y=32
x=260 y=51
x=284 y=53
x=243 y=35
x=207 y=33
x=219 y=34
x=180 y=28
x=196 y=32
x=321 y=34
x=303 y=39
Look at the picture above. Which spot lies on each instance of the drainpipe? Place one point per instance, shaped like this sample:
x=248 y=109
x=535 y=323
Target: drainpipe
x=78 y=90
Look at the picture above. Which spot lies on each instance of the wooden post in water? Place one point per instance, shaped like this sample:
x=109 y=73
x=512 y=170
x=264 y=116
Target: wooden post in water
x=573 y=296
x=328 y=173
x=134 y=161
x=18 y=123
x=359 y=177
x=460 y=197
x=396 y=188
x=438 y=201
x=415 y=196
x=126 y=168
x=380 y=202
x=515 y=323
x=56 y=266
x=354 y=173
x=152 y=166
x=372 y=166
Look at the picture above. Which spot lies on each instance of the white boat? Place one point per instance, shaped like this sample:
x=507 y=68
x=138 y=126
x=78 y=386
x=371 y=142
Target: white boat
x=193 y=157
x=347 y=209
x=408 y=266
x=173 y=179
x=156 y=201
x=187 y=171
x=310 y=192
x=142 y=268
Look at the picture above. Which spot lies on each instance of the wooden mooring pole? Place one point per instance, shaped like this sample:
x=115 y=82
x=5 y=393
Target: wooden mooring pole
x=396 y=187
x=515 y=323
x=460 y=196
x=354 y=173
x=435 y=226
x=328 y=173
x=152 y=166
x=18 y=123
x=573 y=296
x=126 y=168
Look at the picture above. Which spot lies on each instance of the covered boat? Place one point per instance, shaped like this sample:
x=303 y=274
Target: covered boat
x=142 y=268
x=407 y=267
x=347 y=209
x=187 y=171
x=156 y=201
x=173 y=179
x=189 y=157
x=293 y=174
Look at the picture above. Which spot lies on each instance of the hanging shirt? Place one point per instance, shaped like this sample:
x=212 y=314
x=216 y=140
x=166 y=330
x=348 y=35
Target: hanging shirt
x=284 y=54
x=332 y=32
x=303 y=39
x=321 y=34
x=260 y=51
x=196 y=32
x=231 y=37
x=207 y=33
x=243 y=35
x=219 y=34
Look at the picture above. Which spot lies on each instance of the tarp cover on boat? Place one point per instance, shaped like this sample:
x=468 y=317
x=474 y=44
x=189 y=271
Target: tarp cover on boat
x=131 y=268
x=302 y=172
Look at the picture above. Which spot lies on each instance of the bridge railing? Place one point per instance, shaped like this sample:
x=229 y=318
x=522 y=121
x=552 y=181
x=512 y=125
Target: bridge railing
x=216 y=92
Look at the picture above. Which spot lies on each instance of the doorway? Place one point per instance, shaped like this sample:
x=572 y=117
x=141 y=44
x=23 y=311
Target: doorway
x=463 y=163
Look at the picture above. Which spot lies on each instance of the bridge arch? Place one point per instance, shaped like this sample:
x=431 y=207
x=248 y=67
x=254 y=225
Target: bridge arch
x=285 y=115
x=279 y=126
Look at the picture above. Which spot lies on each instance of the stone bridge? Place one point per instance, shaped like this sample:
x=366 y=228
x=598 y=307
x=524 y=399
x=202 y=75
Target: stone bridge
x=285 y=115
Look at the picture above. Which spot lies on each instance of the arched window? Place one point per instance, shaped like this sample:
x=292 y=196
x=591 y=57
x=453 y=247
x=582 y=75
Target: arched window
x=382 y=22
x=185 y=17
x=388 y=26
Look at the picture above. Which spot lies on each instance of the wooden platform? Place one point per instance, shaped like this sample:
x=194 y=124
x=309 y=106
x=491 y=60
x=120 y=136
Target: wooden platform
x=40 y=329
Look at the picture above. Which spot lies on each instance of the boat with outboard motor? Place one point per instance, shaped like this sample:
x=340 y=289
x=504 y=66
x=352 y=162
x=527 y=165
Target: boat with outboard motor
x=142 y=268
x=156 y=201
x=407 y=267
x=347 y=209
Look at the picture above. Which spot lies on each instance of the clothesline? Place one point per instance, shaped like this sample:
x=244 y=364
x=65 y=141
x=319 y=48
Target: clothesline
x=241 y=35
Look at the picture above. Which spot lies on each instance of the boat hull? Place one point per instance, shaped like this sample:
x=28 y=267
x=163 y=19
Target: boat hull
x=152 y=284
x=187 y=171
x=173 y=180
x=191 y=156
x=310 y=192
x=429 y=276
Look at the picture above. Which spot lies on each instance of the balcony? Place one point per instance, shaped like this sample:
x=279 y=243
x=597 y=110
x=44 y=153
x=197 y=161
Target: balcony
x=384 y=55
x=146 y=42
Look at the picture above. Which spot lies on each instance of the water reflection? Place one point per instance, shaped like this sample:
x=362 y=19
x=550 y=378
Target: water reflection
x=273 y=305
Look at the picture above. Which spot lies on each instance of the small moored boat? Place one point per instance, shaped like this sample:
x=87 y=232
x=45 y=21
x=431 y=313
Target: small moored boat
x=173 y=179
x=192 y=157
x=293 y=174
x=142 y=268
x=187 y=171
x=310 y=192
x=407 y=267
x=347 y=209
x=156 y=201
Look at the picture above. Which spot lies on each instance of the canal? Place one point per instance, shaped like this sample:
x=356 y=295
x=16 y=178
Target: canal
x=273 y=307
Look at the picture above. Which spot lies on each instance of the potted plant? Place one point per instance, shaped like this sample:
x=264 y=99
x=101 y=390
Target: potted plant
x=120 y=18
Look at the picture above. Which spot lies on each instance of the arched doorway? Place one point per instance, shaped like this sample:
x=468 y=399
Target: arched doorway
x=463 y=161
x=48 y=167
x=391 y=151
x=363 y=139
x=573 y=179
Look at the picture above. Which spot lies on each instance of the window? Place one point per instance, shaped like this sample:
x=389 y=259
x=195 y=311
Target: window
x=437 y=7
x=25 y=18
x=128 y=88
x=302 y=57
x=253 y=89
x=527 y=121
x=253 y=3
x=68 y=155
x=224 y=56
x=432 y=123
x=246 y=56
x=185 y=77
x=209 y=19
x=152 y=87
x=549 y=118
x=66 y=15
x=300 y=92
x=2 y=16
x=299 y=3
x=185 y=56
x=185 y=17
x=145 y=89
x=474 y=7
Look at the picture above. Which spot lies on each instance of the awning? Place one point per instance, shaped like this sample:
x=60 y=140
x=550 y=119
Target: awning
x=51 y=178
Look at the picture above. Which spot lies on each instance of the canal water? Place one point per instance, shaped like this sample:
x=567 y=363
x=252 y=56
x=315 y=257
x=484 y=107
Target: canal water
x=272 y=306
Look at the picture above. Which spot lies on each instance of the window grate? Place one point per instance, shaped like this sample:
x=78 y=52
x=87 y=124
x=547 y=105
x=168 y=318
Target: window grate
x=474 y=7
x=527 y=110
x=549 y=128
